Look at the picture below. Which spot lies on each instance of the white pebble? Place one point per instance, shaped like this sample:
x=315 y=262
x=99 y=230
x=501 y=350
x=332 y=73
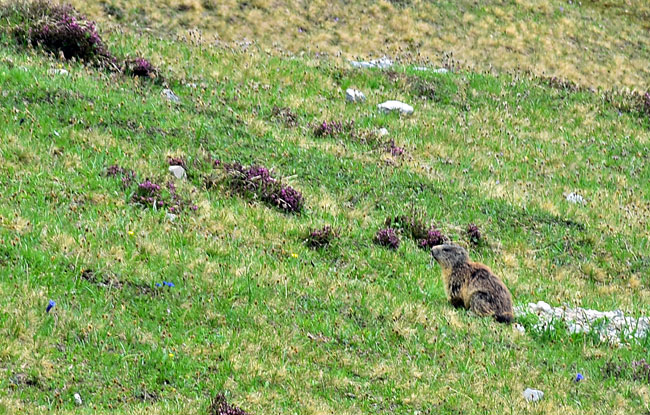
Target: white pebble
x=533 y=395
x=354 y=95
x=178 y=172
x=389 y=106
x=169 y=95
x=58 y=72
x=77 y=399
x=575 y=198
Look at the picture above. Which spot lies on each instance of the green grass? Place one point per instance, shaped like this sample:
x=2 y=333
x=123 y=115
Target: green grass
x=281 y=328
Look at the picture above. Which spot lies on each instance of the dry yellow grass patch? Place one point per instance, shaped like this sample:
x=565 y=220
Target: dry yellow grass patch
x=595 y=44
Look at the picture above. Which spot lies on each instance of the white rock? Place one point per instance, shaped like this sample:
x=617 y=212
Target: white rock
x=420 y=68
x=389 y=106
x=170 y=217
x=58 y=72
x=441 y=70
x=533 y=395
x=610 y=326
x=353 y=95
x=544 y=307
x=381 y=63
x=521 y=329
x=382 y=132
x=575 y=198
x=178 y=172
x=77 y=399
x=169 y=94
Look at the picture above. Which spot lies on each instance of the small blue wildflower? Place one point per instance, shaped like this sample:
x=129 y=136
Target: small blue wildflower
x=169 y=284
x=579 y=377
x=158 y=284
x=50 y=305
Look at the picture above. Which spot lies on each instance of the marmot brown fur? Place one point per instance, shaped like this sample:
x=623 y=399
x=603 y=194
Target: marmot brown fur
x=473 y=285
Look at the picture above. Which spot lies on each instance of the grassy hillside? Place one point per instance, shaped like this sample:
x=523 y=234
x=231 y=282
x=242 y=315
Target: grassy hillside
x=596 y=43
x=257 y=314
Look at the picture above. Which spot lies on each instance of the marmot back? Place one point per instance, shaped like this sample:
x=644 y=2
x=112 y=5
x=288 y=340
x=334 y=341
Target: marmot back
x=473 y=285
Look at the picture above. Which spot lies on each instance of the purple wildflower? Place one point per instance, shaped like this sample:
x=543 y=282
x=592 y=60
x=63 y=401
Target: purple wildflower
x=219 y=406
x=127 y=175
x=141 y=67
x=474 y=234
x=148 y=188
x=177 y=161
x=319 y=238
x=149 y=194
x=333 y=128
x=578 y=378
x=387 y=237
x=394 y=149
x=50 y=306
x=434 y=238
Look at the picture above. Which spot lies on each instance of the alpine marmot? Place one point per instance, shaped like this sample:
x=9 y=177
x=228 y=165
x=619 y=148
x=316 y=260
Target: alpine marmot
x=473 y=285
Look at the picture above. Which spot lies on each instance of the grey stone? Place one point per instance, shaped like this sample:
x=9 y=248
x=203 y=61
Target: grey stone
x=77 y=399
x=178 y=172
x=389 y=106
x=381 y=63
x=612 y=327
x=58 y=72
x=170 y=95
x=533 y=395
x=575 y=198
x=353 y=95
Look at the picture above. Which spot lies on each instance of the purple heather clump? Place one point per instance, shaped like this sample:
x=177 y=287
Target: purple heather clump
x=258 y=181
x=332 y=128
x=175 y=202
x=394 y=149
x=474 y=234
x=637 y=370
x=434 y=238
x=141 y=67
x=285 y=198
x=641 y=370
x=319 y=238
x=148 y=189
x=127 y=175
x=63 y=30
x=177 y=161
x=259 y=173
x=148 y=194
x=387 y=237
x=219 y=406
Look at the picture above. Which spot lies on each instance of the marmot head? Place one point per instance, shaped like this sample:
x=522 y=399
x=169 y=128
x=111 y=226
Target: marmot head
x=448 y=256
